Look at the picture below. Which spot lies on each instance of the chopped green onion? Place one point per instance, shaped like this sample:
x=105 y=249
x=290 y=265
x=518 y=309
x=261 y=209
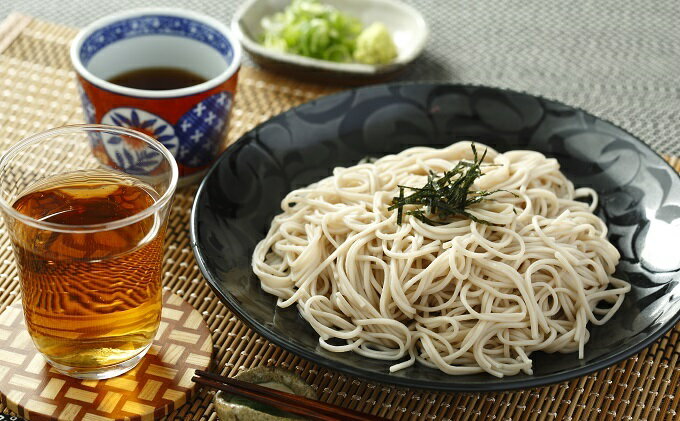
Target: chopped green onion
x=310 y=28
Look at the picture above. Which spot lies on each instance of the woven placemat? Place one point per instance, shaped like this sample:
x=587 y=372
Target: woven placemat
x=37 y=92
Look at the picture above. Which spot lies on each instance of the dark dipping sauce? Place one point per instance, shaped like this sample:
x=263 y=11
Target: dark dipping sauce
x=158 y=78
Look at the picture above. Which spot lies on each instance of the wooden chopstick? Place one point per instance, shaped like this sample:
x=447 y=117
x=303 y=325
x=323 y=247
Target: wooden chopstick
x=288 y=402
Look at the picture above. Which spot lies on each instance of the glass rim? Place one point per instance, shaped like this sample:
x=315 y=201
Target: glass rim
x=163 y=200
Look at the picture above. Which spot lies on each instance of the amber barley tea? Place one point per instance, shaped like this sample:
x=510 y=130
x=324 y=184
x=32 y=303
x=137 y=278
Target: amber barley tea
x=90 y=299
x=88 y=239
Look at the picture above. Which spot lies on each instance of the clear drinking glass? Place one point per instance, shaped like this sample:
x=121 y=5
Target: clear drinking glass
x=88 y=242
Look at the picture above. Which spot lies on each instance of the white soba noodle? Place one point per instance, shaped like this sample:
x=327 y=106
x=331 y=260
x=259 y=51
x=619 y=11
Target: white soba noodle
x=464 y=297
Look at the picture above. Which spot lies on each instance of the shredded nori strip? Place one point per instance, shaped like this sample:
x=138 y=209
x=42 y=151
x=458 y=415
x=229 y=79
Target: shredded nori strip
x=446 y=196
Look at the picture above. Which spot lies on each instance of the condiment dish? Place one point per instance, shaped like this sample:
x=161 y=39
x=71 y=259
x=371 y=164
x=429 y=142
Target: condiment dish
x=406 y=25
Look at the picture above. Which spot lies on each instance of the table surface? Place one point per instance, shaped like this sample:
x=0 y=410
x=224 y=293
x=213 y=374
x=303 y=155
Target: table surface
x=619 y=59
x=611 y=58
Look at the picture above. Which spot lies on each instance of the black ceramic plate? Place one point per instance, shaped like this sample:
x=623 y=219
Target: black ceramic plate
x=639 y=194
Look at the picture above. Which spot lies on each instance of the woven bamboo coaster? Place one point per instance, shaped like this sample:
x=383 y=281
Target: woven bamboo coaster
x=160 y=382
x=37 y=92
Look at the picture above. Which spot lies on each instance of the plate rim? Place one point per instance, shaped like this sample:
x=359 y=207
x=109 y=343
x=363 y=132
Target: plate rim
x=378 y=377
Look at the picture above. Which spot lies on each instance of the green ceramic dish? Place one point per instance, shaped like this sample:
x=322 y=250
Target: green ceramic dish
x=235 y=408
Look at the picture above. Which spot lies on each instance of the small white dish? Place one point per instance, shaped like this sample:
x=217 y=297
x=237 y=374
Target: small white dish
x=406 y=25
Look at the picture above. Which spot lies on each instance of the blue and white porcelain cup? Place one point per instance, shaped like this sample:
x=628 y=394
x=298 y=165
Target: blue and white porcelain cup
x=191 y=122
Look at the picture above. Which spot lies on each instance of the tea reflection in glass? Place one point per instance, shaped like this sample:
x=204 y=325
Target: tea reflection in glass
x=88 y=242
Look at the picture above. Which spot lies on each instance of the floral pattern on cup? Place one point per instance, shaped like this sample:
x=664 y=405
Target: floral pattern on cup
x=125 y=152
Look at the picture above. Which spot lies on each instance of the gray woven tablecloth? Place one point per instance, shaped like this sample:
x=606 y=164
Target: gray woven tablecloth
x=619 y=59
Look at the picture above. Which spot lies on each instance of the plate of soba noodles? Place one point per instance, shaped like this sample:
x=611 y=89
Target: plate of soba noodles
x=445 y=237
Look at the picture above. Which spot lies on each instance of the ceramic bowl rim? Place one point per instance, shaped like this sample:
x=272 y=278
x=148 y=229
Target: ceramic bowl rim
x=231 y=69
